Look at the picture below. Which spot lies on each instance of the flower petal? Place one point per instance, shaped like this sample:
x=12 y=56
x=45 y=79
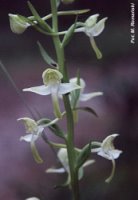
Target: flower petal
x=88 y=96
x=115 y=153
x=98 y=28
x=107 y=143
x=65 y=88
x=52 y=170
x=92 y=20
x=81 y=29
x=42 y=90
x=28 y=138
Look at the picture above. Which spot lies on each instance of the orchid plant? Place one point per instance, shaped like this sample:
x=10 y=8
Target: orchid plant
x=56 y=82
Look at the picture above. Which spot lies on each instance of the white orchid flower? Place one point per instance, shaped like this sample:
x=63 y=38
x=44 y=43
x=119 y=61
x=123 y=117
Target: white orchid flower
x=53 y=86
x=62 y=155
x=34 y=131
x=17 y=24
x=92 y=28
x=84 y=96
x=79 y=95
x=108 y=151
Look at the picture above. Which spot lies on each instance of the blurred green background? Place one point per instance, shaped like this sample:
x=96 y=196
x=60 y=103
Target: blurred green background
x=116 y=75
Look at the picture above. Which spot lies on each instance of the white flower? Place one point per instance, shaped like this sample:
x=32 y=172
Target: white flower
x=62 y=155
x=32 y=128
x=34 y=131
x=17 y=24
x=92 y=28
x=108 y=151
x=52 y=85
x=84 y=96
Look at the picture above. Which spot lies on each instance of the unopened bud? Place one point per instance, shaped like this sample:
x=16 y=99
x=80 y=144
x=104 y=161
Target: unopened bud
x=17 y=24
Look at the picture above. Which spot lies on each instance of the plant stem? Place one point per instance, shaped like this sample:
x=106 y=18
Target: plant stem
x=70 y=123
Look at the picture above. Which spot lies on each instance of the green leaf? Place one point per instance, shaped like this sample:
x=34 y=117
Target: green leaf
x=83 y=155
x=87 y=109
x=69 y=34
x=39 y=20
x=46 y=57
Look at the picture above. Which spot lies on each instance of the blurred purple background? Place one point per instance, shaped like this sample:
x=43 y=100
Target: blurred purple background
x=116 y=75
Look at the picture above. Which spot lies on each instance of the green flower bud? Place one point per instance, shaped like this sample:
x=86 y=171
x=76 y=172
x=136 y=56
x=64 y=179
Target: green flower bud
x=17 y=25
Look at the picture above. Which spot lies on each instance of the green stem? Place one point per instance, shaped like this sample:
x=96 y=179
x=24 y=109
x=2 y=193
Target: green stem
x=69 y=115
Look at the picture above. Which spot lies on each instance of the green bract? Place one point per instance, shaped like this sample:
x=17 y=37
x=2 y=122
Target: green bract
x=52 y=85
x=17 y=25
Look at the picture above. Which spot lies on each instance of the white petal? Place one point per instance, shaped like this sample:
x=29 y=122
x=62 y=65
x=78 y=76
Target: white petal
x=91 y=21
x=52 y=170
x=115 y=153
x=75 y=79
x=98 y=28
x=67 y=87
x=107 y=143
x=42 y=90
x=105 y=155
x=28 y=138
x=82 y=29
x=86 y=97
x=96 y=150
x=111 y=154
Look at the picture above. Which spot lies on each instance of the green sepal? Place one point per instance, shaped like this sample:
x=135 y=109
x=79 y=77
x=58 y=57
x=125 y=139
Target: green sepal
x=46 y=57
x=69 y=34
x=35 y=153
x=54 y=128
x=87 y=109
x=83 y=155
x=39 y=20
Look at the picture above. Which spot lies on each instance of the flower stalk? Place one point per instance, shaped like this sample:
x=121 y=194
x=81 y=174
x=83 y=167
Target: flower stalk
x=69 y=117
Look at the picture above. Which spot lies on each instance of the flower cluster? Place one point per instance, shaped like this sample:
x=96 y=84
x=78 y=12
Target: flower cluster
x=57 y=84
